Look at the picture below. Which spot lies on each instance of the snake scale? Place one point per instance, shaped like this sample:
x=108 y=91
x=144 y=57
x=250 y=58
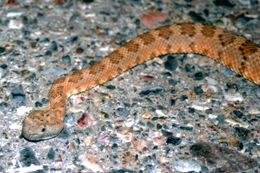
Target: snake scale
x=235 y=52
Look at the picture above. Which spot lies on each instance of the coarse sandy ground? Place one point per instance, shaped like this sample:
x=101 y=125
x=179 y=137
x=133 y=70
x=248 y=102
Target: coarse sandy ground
x=176 y=113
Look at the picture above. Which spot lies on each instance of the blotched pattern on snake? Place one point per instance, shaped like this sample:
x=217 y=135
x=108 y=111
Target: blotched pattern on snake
x=235 y=52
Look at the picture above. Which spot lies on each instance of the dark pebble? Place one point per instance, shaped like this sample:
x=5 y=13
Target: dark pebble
x=183 y=97
x=171 y=63
x=110 y=87
x=237 y=114
x=198 y=76
x=172 y=102
x=184 y=128
x=74 y=39
x=122 y=112
x=38 y=104
x=17 y=94
x=122 y=171
x=27 y=157
x=79 y=50
x=66 y=59
x=114 y=147
x=166 y=74
x=173 y=140
x=198 y=90
x=173 y=91
x=3 y=66
x=224 y=3
x=51 y=154
x=209 y=111
x=196 y=17
x=87 y=1
x=189 y=68
x=48 y=53
x=154 y=91
x=191 y=110
x=242 y=133
x=54 y=46
x=172 y=82
x=158 y=126
x=232 y=86
x=2 y=49
x=166 y=133
x=221 y=119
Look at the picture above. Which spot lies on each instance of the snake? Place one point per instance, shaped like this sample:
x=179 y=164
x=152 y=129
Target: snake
x=235 y=52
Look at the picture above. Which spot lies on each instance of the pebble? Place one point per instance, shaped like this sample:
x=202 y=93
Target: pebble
x=237 y=114
x=28 y=158
x=123 y=171
x=122 y=112
x=173 y=140
x=196 y=17
x=198 y=76
x=198 y=90
x=189 y=68
x=15 y=24
x=91 y=163
x=86 y=120
x=187 y=166
x=152 y=91
x=233 y=97
x=171 y=63
x=224 y=3
x=17 y=94
x=14 y=14
x=51 y=154
x=242 y=133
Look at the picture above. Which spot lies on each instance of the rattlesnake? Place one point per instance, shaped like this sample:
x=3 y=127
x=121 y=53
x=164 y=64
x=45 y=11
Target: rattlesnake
x=235 y=52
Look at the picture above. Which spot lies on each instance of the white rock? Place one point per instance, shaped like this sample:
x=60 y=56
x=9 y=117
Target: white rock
x=23 y=110
x=15 y=24
x=233 y=97
x=14 y=14
x=186 y=166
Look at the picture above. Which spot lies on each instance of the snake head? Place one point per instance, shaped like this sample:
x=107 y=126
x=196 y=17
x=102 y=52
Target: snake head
x=42 y=124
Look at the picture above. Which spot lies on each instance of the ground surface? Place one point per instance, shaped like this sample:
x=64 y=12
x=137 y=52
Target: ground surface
x=176 y=113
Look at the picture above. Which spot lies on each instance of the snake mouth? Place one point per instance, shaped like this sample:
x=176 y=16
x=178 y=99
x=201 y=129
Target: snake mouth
x=36 y=137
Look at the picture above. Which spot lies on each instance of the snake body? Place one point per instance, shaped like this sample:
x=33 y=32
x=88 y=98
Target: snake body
x=235 y=52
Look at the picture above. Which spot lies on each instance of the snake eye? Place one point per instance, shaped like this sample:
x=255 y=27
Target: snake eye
x=43 y=129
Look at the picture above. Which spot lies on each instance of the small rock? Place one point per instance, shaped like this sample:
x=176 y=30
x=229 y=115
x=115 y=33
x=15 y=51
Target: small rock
x=198 y=90
x=122 y=112
x=27 y=157
x=91 y=163
x=196 y=17
x=66 y=59
x=187 y=166
x=86 y=120
x=198 y=76
x=51 y=154
x=153 y=91
x=171 y=63
x=242 y=133
x=223 y=3
x=233 y=97
x=17 y=94
x=15 y=24
x=173 y=140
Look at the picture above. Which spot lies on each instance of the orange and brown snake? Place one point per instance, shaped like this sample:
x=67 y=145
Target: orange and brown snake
x=235 y=52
